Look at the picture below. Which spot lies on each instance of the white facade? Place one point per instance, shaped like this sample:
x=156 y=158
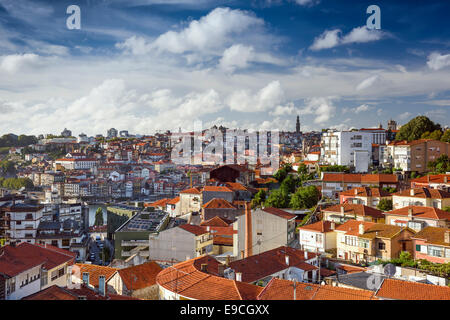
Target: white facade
x=339 y=147
x=24 y=225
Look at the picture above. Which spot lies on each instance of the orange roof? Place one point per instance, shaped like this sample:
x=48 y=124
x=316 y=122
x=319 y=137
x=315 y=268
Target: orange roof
x=216 y=189
x=433 y=235
x=174 y=200
x=191 y=191
x=278 y=289
x=158 y=203
x=187 y=279
x=436 y=178
x=259 y=266
x=140 y=276
x=235 y=186
x=358 y=177
x=218 y=203
x=408 y=290
x=197 y=230
x=358 y=209
x=95 y=271
x=280 y=213
x=57 y=293
x=365 y=192
x=423 y=193
x=422 y=212
x=216 y=222
x=319 y=226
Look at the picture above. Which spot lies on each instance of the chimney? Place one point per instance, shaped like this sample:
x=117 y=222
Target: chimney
x=220 y=269
x=238 y=276
x=445 y=179
x=410 y=212
x=227 y=261
x=248 y=230
x=306 y=254
x=86 y=278
x=242 y=254
x=333 y=225
x=411 y=192
x=204 y=267
x=356 y=192
x=447 y=236
x=428 y=178
x=361 y=229
x=102 y=285
x=342 y=211
x=287 y=259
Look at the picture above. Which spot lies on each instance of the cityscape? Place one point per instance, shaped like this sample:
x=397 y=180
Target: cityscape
x=202 y=150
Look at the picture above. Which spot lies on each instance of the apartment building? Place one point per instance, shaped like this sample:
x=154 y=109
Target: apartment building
x=364 y=195
x=426 y=197
x=435 y=181
x=432 y=244
x=346 y=211
x=20 y=221
x=415 y=155
x=347 y=148
x=418 y=217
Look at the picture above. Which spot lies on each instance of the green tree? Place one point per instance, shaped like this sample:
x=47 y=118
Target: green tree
x=440 y=165
x=385 y=204
x=259 y=198
x=435 y=135
x=302 y=169
x=289 y=184
x=7 y=166
x=305 y=197
x=446 y=136
x=99 y=217
x=283 y=172
x=277 y=199
x=447 y=209
x=415 y=128
x=17 y=183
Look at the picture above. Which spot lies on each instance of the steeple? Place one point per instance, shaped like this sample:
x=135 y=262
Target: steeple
x=297 y=125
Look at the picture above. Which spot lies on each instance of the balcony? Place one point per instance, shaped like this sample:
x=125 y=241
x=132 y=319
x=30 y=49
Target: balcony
x=134 y=243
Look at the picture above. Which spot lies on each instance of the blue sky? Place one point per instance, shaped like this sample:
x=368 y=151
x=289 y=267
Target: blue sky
x=147 y=65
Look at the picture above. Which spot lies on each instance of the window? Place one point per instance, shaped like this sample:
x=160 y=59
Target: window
x=382 y=246
x=435 y=251
x=319 y=238
x=61 y=272
x=54 y=275
x=66 y=242
x=364 y=243
x=418 y=247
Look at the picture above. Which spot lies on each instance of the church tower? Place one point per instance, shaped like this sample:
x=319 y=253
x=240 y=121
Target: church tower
x=297 y=125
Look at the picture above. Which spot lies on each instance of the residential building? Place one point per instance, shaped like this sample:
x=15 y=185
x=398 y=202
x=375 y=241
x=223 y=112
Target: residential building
x=190 y=201
x=426 y=197
x=27 y=268
x=435 y=181
x=218 y=207
x=282 y=262
x=346 y=211
x=180 y=243
x=22 y=220
x=364 y=242
x=92 y=276
x=211 y=192
x=140 y=281
x=418 y=217
x=233 y=173
x=222 y=232
x=347 y=148
x=261 y=230
x=76 y=164
x=318 y=236
x=432 y=244
x=202 y=279
x=333 y=183
x=364 y=195
x=415 y=155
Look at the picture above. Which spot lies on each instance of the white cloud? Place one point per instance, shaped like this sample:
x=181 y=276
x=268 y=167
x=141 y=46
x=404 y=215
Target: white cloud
x=332 y=38
x=266 y=98
x=366 y=83
x=237 y=56
x=326 y=40
x=135 y=45
x=288 y=109
x=321 y=107
x=15 y=62
x=437 y=61
x=405 y=115
x=209 y=32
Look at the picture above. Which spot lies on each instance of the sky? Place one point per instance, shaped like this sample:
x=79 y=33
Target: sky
x=156 y=65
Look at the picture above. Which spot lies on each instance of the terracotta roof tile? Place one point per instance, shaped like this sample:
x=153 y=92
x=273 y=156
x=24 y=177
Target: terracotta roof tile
x=140 y=276
x=358 y=209
x=197 y=230
x=365 y=192
x=280 y=213
x=433 y=235
x=408 y=290
x=218 y=203
x=424 y=193
x=216 y=189
x=320 y=226
x=421 y=212
x=95 y=272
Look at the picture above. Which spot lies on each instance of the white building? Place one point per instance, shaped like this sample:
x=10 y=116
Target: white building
x=347 y=148
x=24 y=220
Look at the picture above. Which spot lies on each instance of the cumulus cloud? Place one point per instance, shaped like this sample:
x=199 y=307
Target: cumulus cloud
x=15 y=62
x=405 y=115
x=237 y=56
x=332 y=38
x=288 y=109
x=437 y=61
x=265 y=99
x=322 y=107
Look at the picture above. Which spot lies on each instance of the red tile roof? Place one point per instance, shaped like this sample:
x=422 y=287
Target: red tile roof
x=218 y=203
x=24 y=256
x=235 y=186
x=433 y=235
x=280 y=213
x=95 y=272
x=357 y=177
x=197 y=230
x=421 y=212
x=320 y=226
x=435 y=178
x=216 y=189
x=358 y=209
x=365 y=192
x=140 y=276
x=278 y=289
x=408 y=290
x=191 y=191
x=187 y=279
x=259 y=266
x=424 y=193
x=158 y=203
x=216 y=222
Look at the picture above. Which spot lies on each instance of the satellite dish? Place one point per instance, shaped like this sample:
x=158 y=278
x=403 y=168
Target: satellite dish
x=389 y=270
